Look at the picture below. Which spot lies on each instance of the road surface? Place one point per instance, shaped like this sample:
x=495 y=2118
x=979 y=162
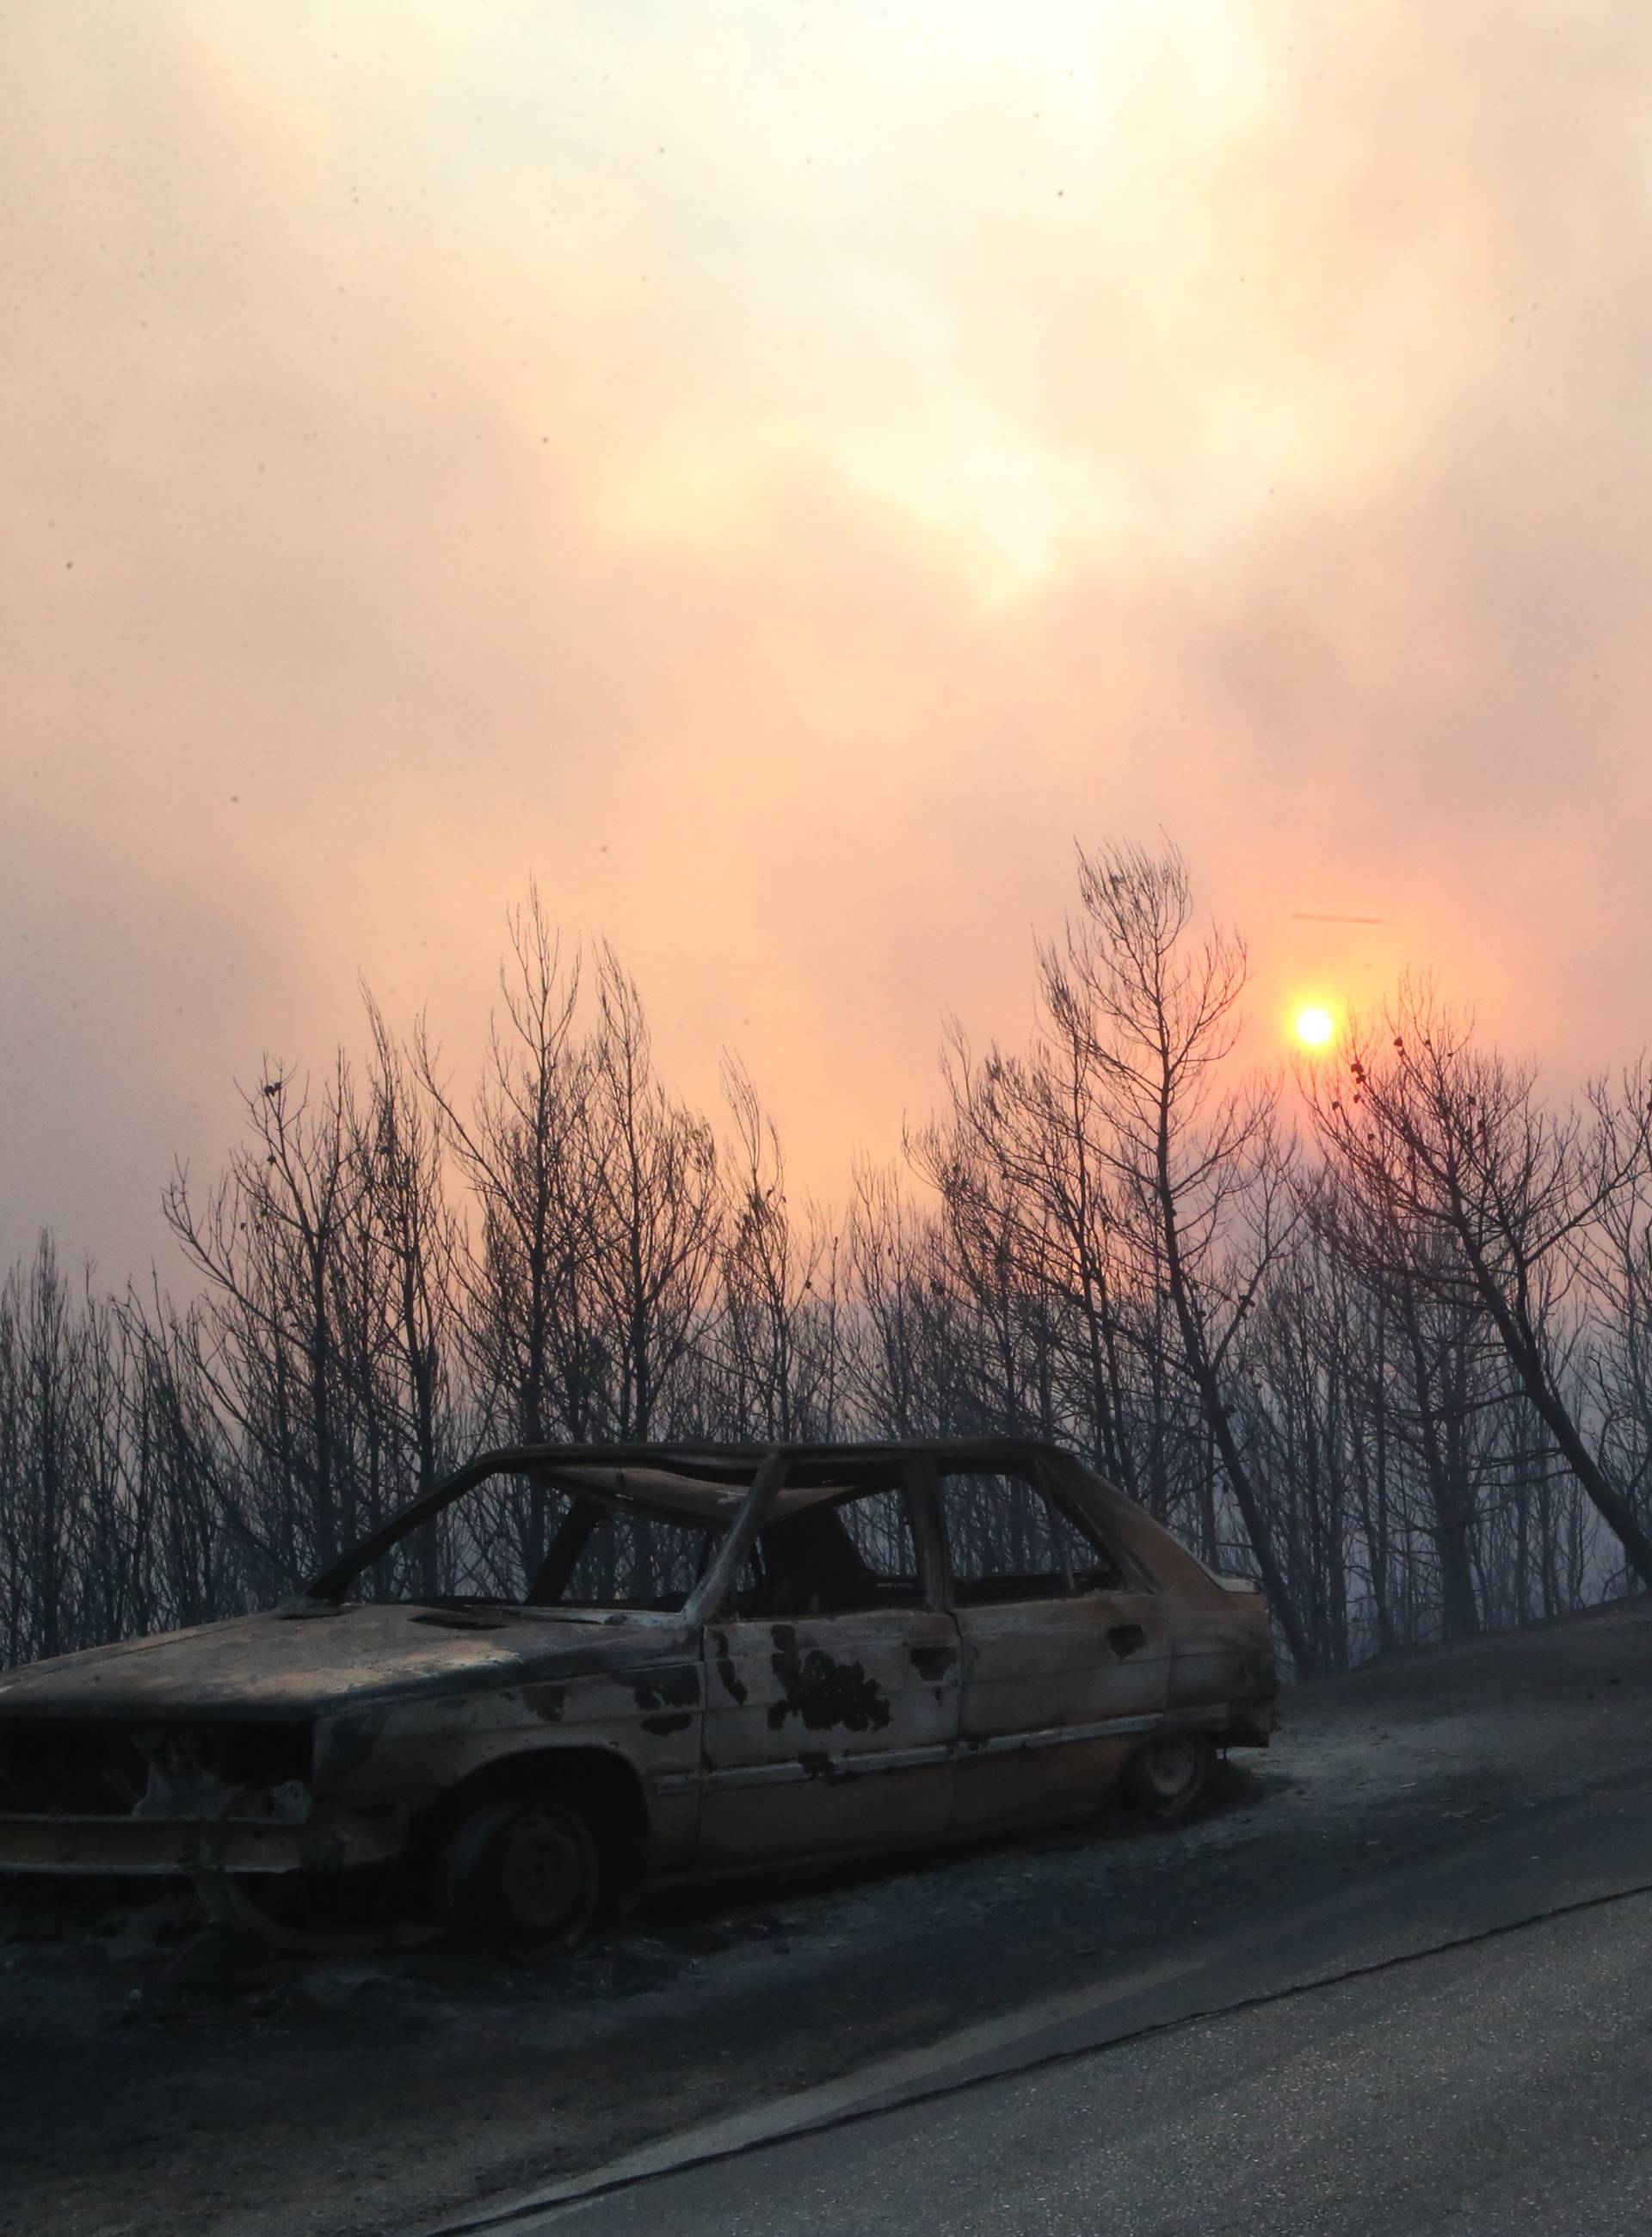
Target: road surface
x=1466 y=2050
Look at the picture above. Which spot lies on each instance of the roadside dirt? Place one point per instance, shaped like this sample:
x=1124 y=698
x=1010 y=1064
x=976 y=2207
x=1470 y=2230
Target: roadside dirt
x=157 y=2078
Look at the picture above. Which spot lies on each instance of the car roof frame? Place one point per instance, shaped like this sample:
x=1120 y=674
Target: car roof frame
x=763 y=1466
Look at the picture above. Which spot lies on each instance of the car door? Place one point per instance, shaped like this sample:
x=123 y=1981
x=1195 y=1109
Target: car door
x=831 y=1687
x=1066 y=1653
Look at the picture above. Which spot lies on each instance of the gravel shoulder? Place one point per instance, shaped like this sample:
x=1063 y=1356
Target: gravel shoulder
x=153 y=2079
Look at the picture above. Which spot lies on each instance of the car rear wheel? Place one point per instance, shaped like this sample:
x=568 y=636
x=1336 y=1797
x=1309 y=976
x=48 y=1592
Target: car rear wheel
x=1168 y=1776
x=523 y=1876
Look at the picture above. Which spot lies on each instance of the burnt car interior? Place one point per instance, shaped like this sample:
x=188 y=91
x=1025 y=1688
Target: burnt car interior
x=835 y=1557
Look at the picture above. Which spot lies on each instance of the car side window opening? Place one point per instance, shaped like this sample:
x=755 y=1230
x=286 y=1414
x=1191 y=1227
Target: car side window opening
x=836 y=1557
x=1008 y=1540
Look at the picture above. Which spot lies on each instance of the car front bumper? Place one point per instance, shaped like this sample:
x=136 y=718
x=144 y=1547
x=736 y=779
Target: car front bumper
x=335 y=1840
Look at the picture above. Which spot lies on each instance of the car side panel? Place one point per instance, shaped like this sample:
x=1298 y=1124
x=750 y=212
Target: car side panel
x=1056 y=1693
x=827 y=1733
x=1222 y=1659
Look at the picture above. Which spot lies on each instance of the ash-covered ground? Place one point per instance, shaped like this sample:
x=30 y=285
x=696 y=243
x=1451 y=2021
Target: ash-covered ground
x=158 y=2077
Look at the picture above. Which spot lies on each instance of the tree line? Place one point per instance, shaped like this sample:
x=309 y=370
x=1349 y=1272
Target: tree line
x=1379 y=1334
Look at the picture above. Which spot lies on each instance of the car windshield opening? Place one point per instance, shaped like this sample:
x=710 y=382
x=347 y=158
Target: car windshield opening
x=610 y=1552
x=532 y=1542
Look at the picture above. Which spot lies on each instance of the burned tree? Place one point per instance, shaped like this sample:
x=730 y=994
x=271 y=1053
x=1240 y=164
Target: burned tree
x=1487 y=1198
x=1201 y=1170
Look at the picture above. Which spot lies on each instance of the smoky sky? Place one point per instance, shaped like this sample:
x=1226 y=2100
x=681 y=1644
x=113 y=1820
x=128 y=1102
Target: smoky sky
x=776 y=476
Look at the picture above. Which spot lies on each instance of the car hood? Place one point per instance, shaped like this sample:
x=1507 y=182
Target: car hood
x=306 y=1661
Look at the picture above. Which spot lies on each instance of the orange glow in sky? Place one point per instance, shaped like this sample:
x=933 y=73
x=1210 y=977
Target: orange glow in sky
x=777 y=476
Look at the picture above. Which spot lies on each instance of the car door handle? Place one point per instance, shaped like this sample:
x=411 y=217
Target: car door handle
x=1125 y=1638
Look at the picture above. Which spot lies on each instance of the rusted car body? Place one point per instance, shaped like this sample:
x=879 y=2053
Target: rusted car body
x=709 y=1658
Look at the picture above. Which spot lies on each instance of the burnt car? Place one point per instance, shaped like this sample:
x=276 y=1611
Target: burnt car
x=671 y=1661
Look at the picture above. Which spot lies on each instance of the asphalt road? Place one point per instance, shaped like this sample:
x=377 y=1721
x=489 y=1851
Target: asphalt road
x=1501 y=2090
x=1471 y=2054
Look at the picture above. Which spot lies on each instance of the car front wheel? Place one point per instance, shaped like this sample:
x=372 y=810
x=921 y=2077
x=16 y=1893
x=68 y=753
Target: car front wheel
x=1167 y=1776
x=523 y=1876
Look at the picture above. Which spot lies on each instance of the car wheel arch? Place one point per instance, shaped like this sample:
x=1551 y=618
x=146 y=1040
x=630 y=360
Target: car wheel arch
x=601 y=1780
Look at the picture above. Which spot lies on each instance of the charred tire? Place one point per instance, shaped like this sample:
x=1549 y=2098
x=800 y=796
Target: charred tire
x=523 y=1876
x=1169 y=1775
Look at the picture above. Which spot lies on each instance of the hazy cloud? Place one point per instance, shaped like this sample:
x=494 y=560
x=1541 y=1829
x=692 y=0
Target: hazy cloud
x=777 y=476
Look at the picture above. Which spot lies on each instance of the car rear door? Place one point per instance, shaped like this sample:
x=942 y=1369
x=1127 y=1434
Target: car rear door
x=832 y=1687
x=1066 y=1653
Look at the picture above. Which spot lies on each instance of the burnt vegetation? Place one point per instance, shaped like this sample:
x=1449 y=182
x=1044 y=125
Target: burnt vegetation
x=1381 y=1335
